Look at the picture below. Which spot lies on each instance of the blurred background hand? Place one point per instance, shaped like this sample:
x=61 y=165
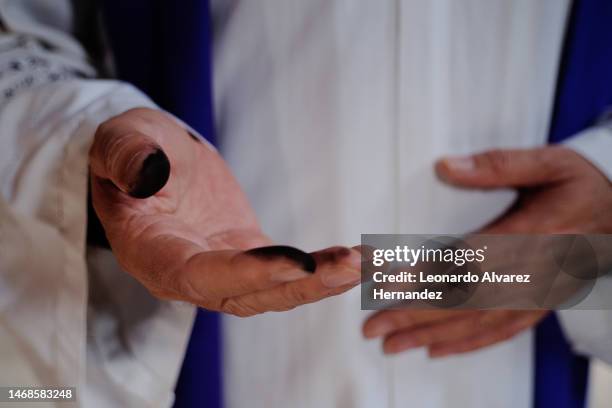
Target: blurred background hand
x=559 y=192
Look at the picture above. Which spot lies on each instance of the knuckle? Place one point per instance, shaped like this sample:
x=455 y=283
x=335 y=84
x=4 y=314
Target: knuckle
x=558 y=153
x=496 y=160
x=100 y=141
x=555 y=157
x=183 y=284
x=108 y=149
x=105 y=131
x=117 y=149
x=402 y=319
x=565 y=161
x=295 y=294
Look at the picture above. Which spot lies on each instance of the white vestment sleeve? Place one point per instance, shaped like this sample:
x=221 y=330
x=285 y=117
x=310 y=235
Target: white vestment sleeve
x=590 y=331
x=46 y=315
x=62 y=322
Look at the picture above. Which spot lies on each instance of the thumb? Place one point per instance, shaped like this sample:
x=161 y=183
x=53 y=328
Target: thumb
x=501 y=168
x=133 y=161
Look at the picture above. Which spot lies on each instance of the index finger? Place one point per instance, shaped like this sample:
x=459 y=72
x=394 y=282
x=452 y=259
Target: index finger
x=211 y=276
x=337 y=271
x=387 y=321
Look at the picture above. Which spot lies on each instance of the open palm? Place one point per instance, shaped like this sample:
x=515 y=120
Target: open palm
x=177 y=220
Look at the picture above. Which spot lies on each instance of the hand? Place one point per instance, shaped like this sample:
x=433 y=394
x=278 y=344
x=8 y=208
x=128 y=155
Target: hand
x=177 y=221
x=445 y=332
x=559 y=192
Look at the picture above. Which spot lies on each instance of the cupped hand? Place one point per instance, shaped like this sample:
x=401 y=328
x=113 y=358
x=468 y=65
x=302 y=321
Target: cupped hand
x=177 y=220
x=559 y=192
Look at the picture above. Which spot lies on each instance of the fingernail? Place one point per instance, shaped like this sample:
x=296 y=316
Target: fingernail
x=304 y=260
x=464 y=163
x=153 y=176
x=342 y=277
x=378 y=328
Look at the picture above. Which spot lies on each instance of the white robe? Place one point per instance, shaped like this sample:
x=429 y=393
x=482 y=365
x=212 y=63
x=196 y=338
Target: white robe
x=331 y=114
